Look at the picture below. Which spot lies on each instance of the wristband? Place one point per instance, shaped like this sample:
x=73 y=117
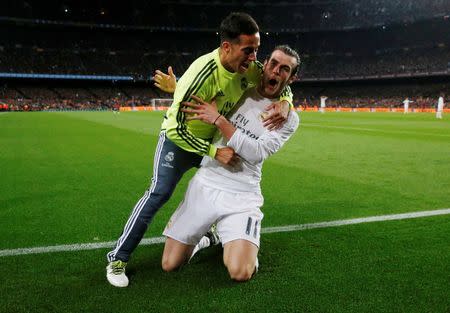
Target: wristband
x=217 y=119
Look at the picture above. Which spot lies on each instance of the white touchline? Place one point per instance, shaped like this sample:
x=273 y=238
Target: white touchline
x=404 y=132
x=369 y=219
x=74 y=247
x=267 y=230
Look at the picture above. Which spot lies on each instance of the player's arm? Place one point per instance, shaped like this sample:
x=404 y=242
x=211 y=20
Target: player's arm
x=256 y=151
x=208 y=113
x=280 y=111
x=165 y=82
x=179 y=133
x=253 y=151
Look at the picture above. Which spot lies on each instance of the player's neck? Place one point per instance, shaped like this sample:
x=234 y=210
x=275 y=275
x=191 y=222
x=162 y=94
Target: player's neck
x=224 y=61
x=262 y=92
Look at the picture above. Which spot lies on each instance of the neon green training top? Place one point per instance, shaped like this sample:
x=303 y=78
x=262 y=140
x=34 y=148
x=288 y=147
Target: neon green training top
x=208 y=79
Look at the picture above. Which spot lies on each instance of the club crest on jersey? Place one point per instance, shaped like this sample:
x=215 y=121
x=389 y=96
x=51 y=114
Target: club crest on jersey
x=244 y=83
x=263 y=115
x=169 y=156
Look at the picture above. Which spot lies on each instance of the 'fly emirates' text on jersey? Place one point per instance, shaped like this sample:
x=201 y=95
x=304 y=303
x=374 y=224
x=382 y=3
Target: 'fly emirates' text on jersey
x=252 y=141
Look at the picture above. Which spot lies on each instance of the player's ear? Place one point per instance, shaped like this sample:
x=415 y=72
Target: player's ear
x=266 y=61
x=292 y=78
x=226 y=46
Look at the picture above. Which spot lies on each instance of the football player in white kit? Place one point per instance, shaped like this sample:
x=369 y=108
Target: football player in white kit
x=230 y=196
x=323 y=100
x=406 y=103
x=440 y=107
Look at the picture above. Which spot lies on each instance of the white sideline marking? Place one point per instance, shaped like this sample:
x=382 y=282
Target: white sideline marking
x=267 y=230
x=74 y=247
x=369 y=219
x=375 y=130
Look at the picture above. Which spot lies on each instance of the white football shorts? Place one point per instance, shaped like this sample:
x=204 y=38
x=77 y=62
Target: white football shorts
x=237 y=214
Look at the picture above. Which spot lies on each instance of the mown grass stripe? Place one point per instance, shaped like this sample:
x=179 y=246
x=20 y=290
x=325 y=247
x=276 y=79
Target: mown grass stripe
x=267 y=230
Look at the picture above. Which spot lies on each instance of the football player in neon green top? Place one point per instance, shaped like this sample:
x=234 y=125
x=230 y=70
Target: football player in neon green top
x=223 y=75
x=209 y=79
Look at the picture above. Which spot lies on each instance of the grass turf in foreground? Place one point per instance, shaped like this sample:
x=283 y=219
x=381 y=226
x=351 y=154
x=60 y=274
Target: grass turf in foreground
x=74 y=177
x=396 y=266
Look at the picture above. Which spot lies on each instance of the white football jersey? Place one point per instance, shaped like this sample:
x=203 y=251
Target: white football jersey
x=252 y=141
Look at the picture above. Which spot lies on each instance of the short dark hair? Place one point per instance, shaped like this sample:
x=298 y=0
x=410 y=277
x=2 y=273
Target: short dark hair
x=235 y=24
x=291 y=52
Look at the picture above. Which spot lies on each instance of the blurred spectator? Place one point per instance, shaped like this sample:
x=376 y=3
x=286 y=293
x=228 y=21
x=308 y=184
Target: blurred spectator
x=421 y=48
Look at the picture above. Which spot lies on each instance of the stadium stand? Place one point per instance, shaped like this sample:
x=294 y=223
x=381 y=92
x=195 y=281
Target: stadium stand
x=340 y=41
x=297 y=14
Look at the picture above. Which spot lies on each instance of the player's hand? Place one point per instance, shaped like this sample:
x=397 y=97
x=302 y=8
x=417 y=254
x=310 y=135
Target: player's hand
x=227 y=156
x=278 y=116
x=165 y=82
x=201 y=110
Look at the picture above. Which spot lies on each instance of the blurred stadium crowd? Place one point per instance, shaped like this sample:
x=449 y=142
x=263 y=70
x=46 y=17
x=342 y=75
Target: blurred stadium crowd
x=381 y=51
x=85 y=97
x=68 y=97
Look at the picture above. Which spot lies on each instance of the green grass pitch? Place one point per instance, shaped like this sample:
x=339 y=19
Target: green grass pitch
x=73 y=177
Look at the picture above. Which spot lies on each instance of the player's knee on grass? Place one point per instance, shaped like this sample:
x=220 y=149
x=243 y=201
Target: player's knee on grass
x=239 y=258
x=240 y=271
x=175 y=254
x=169 y=264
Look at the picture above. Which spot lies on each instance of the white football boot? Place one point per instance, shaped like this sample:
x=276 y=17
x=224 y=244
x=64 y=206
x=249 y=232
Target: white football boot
x=115 y=273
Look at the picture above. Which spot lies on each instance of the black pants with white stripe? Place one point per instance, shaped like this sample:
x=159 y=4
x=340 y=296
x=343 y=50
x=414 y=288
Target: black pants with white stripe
x=169 y=165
